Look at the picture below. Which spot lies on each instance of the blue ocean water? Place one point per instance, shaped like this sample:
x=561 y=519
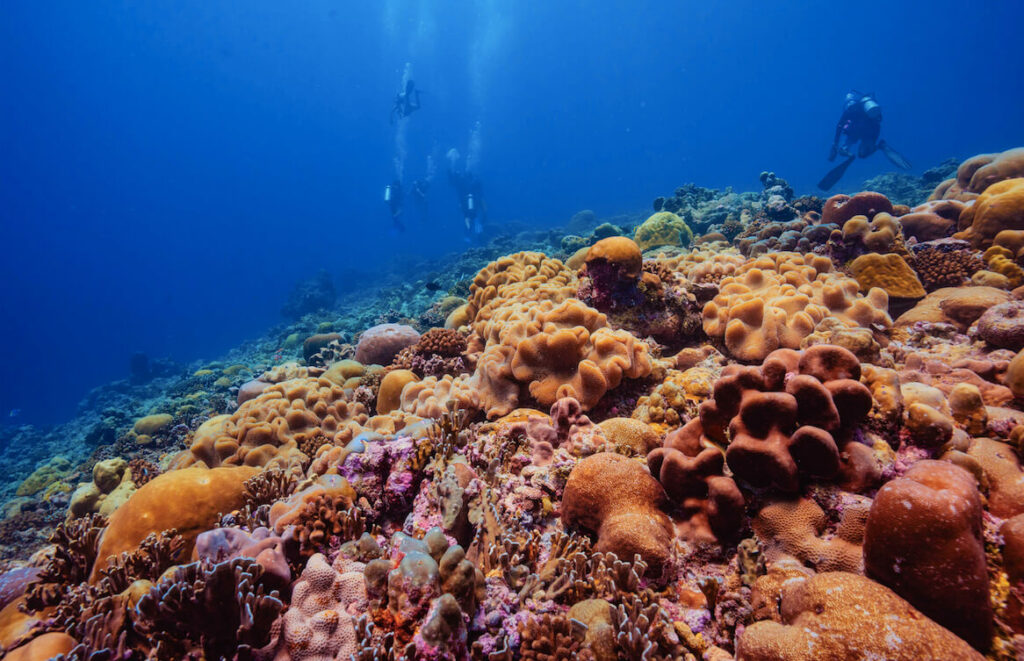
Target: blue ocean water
x=170 y=170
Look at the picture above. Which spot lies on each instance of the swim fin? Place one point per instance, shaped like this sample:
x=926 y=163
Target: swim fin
x=894 y=156
x=835 y=174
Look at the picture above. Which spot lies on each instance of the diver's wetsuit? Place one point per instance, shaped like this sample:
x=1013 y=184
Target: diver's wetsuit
x=856 y=126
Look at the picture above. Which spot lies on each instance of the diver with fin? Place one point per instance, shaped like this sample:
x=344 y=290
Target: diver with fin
x=470 y=194
x=861 y=122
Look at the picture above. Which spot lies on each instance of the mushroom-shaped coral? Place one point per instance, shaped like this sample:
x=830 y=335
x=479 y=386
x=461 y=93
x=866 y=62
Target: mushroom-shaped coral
x=923 y=540
x=613 y=267
x=616 y=498
x=846 y=617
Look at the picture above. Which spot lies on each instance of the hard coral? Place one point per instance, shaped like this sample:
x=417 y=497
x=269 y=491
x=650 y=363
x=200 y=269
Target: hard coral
x=890 y=273
x=978 y=173
x=923 y=539
x=380 y=344
x=663 y=229
x=840 y=208
x=846 y=617
x=189 y=501
x=1000 y=207
x=618 y=500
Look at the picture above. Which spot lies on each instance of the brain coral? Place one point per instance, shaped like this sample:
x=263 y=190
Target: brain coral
x=777 y=300
x=846 y=617
x=1000 y=207
x=663 y=228
x=266 y=429
x=379 y=345
x=924 y=540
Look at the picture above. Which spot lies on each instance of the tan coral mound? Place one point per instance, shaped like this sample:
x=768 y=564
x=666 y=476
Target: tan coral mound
x=978 y=173
x=843 y=617
x=777 y=300
x=266 y=429
x=429 y=398
x=999 y=208
x=523 y=277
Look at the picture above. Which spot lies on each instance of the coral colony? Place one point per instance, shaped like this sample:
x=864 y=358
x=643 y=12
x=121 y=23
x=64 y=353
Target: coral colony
x=752 y=426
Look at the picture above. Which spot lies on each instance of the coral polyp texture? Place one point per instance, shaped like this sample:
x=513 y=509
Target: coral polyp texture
x=797 y=435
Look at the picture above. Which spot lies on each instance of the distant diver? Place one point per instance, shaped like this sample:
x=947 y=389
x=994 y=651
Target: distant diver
x=406 y=103
x=393 y=196
x=861 y=122
x=470 y=193
x=419 y=191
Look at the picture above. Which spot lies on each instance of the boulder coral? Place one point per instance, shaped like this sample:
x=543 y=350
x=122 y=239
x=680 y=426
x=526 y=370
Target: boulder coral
x=189 y=501
x=840 y=208
x=846 y=617
x=999 y=208
x=663 y=228
x=978 y=173
x=923 y=539
x=380 y=344
x=890 y=273
x=616 y=498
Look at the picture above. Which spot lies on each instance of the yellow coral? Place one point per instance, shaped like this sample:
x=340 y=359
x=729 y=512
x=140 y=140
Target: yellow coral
x=663 y=229
x=1000 y=260
x=887 y=272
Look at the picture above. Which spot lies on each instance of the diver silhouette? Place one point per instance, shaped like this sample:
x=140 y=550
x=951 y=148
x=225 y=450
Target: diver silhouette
x=860 y=122
x=394 y=198
x=406 y=102
x=470 y=194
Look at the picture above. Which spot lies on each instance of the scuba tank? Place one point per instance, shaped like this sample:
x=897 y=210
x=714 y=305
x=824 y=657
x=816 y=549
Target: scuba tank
x=871 y=108
x=469 y=201
x=387 y=193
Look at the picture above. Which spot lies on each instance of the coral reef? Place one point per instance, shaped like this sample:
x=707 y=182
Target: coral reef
x=659 y=448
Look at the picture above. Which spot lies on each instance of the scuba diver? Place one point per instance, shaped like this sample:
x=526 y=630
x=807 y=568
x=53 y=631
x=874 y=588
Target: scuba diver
x=470 y=193
x=419 y=191
x=861 y=122
x=406 y=103
x=393 y=196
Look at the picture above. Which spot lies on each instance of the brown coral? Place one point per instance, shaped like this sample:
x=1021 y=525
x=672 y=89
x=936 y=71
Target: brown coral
x=616 y=498
x=846 y=617
x=923 y=539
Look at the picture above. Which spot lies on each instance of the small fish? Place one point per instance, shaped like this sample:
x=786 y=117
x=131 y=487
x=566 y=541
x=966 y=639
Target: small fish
x=432 y=286
x=14 y=413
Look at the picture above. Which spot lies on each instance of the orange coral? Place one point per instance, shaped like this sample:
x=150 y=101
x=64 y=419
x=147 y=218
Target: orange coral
x=189 y=500
x=978 y=173
x=618 y=499
x=620 y=251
